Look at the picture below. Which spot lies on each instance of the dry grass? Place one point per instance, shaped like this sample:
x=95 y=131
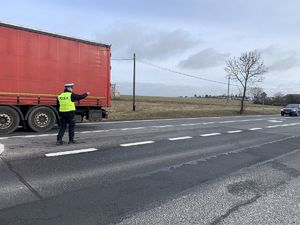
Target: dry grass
x=166 y=107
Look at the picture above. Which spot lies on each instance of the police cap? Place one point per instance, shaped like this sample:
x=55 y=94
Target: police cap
x=69 y=85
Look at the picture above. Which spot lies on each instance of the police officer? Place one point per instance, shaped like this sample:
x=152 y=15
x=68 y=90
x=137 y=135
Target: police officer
x=66 y=107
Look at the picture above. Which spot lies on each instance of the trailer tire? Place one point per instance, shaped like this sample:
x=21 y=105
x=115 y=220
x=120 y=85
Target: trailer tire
x=41 y=119
x=9 y=119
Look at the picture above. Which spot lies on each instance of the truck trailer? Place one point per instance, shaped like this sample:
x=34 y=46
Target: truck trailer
x=35 y=65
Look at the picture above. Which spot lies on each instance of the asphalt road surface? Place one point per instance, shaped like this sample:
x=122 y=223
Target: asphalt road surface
x=229 y=170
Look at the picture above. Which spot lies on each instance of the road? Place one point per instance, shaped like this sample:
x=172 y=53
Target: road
x=218 y=170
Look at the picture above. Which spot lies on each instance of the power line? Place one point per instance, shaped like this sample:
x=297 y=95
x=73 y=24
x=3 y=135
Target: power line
x=183 y=74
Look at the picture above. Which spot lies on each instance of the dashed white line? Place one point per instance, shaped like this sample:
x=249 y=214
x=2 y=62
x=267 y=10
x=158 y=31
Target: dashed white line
x=211 y=134
x=275 y=121
x=164 y=126
x=274 y=126
x=133 y=128
x=1 y=148
x=255 y=128
x=99 y=131
x=71 y=152
x=230 y=121
x=179 y=138
x=234 y=131
x=188 y=124
x=137 y=143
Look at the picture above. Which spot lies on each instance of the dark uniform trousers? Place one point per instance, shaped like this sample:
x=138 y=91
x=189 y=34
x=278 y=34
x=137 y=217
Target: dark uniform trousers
x=66 y=118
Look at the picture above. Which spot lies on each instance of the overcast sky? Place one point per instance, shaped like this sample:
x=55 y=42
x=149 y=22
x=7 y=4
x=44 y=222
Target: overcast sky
x=193 y=37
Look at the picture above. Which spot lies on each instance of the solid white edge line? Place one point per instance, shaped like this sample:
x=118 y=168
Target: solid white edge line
x=212 y=134
x=135 y=121
x=137 y=143
x=234 y=131
x=179 y=138
x=71 y=152
x=1 y=148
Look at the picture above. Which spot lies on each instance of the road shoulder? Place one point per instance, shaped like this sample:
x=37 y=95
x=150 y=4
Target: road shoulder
x=260 y=194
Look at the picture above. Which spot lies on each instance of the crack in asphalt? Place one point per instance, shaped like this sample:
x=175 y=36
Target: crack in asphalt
x=249 y=186
x=22 y=180
x=234 y=209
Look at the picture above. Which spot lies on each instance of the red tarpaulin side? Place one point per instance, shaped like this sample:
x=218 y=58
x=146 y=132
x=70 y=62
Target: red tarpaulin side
x=35 y=66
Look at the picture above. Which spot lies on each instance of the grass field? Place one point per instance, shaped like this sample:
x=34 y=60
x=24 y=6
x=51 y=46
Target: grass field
x=168 y=107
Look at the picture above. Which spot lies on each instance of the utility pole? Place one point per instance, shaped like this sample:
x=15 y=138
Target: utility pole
x=228 y=89
x=263 y=95
x=133 y=95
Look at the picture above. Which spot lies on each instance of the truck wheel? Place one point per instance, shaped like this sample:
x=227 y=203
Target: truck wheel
x=41 y=119
x=9 y=120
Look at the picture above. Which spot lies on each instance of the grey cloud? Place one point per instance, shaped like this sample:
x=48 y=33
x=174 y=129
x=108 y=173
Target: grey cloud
x=285 y=63
x=204 y=59
x=127 y=39
x=166 y=44
x=280 y=59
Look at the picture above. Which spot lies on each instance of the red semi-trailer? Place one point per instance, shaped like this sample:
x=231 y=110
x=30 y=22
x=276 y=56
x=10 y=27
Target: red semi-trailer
x=35 y=65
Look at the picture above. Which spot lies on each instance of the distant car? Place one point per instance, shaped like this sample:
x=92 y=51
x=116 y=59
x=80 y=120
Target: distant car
x=291 y=109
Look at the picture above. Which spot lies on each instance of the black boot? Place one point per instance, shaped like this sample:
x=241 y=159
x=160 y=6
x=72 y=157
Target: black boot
x=72 y=142
x=59 y=142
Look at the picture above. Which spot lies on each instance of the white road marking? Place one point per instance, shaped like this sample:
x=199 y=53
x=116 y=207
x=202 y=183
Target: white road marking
x=229 y=121
x=234 y=131
x=179 y=138
x=136 y=121
x=86 y=132
x=274 y=126
x=71 y=152
x=275 y=121
x=164 y=126
x=161 y=126
x=92 y=131
x=255 y=128
x=188 y=124
x=1 y=148
x=29 y=136
x=137 y=143
x=133 y=128
x=211 y=134
x=206 y=123
x=99 y=131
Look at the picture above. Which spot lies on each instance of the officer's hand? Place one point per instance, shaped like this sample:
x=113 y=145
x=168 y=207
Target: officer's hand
x=88 y=93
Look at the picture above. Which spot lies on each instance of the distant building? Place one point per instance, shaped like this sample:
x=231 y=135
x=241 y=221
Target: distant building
x=292 y=98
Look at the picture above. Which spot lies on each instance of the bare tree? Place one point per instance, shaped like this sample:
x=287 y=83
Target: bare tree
x=255 y=93
x=247 y=69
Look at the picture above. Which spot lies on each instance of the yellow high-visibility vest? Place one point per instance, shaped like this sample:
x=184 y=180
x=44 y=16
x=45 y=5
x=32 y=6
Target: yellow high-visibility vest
x=65 y=102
